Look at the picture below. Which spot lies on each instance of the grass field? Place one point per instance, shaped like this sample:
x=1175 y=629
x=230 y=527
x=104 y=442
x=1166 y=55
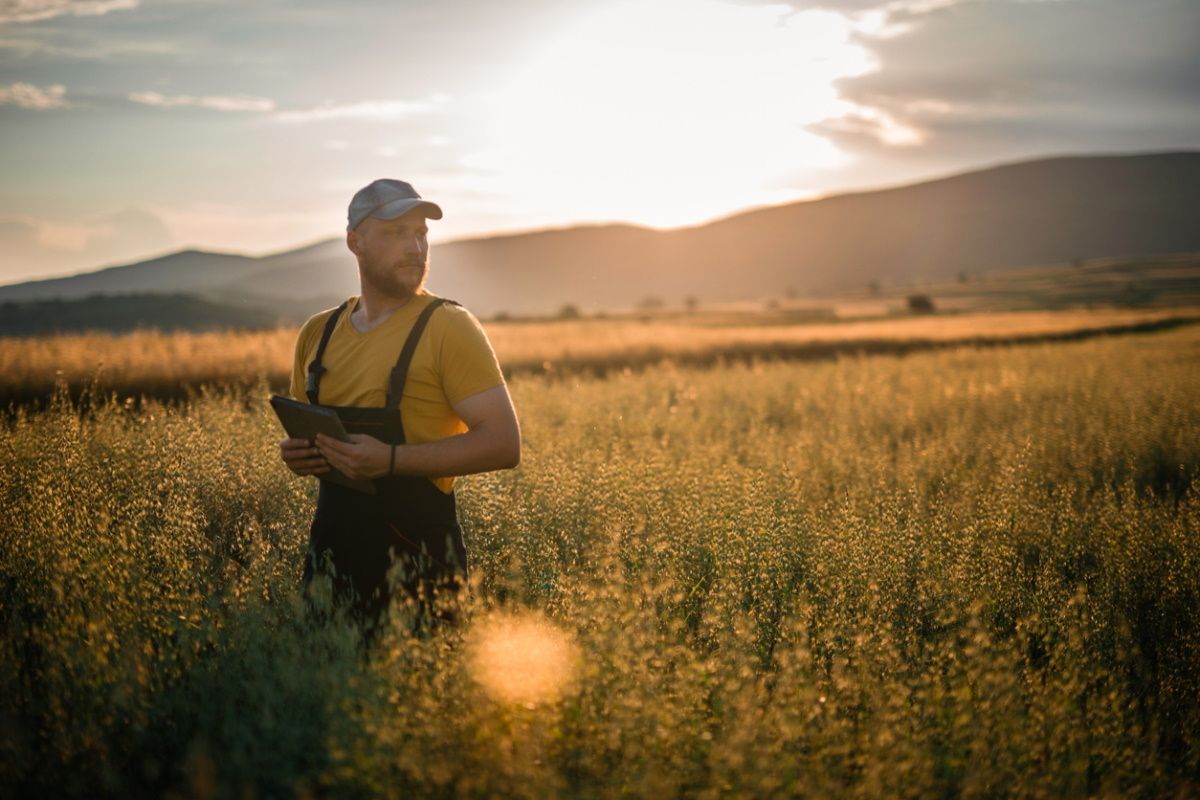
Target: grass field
x=964 y=572
x=172 y=365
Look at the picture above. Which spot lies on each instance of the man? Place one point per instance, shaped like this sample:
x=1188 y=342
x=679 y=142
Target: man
x=418 y=388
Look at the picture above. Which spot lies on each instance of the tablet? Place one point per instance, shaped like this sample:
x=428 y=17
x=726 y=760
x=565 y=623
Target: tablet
x=305 y=421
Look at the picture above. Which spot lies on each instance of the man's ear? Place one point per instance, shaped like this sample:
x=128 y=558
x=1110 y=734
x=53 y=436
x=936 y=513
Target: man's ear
x=352 y=241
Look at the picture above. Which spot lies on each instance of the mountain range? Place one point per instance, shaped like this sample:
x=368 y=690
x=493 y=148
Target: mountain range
x=1044 y=211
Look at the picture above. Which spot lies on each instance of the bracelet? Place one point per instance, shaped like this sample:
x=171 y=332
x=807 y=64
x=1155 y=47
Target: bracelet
x=392 y=461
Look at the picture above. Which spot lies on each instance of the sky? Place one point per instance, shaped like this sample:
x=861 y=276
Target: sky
x=132 y=128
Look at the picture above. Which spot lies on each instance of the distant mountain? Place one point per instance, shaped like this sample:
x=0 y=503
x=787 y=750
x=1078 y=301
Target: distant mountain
x=1048 y=211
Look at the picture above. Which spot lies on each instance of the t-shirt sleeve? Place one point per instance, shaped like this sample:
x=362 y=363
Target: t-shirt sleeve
x=468 y=362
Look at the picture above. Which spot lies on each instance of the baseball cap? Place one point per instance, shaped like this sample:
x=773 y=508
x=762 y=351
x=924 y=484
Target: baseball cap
x=387 y=198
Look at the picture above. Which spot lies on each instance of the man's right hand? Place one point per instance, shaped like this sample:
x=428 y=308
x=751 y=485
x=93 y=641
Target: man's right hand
x=302 y=457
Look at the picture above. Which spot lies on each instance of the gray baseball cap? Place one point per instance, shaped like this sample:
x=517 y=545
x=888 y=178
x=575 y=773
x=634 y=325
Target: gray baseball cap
x=387 y=198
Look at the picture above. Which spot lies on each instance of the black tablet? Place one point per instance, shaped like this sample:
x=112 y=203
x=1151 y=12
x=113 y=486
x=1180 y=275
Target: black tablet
x=305 y=421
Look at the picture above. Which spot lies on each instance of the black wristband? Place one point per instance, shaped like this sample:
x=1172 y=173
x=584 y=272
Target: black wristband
x=392 y=461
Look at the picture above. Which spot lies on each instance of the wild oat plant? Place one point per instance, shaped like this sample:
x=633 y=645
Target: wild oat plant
x=959 y=574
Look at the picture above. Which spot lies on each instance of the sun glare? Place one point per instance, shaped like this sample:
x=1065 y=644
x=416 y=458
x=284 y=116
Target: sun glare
x=671 y=112
x=522 y=660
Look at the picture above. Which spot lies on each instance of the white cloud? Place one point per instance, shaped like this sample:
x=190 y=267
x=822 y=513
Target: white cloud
x=213 y=102
x=26 y=95
x=31 y=10
x=875 y=123
x=380 y=110
x=82 y=48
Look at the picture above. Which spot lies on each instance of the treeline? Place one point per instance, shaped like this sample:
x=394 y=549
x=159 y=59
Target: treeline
x=128 y=312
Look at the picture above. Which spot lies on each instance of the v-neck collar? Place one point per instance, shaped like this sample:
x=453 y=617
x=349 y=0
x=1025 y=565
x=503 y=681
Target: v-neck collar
x=411 y=308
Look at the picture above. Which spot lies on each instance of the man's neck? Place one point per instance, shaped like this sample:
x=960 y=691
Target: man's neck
x=373 y=308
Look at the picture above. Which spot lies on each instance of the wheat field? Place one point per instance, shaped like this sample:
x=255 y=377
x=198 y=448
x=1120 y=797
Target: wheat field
x=959 y=573
x=166 y=365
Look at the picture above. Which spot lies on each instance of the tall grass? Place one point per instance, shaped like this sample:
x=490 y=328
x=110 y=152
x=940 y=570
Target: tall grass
x=170 y=365
x=969 y=573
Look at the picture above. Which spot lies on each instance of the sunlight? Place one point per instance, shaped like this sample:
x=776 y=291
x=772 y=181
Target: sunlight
x=522 y=660
x=672 y=112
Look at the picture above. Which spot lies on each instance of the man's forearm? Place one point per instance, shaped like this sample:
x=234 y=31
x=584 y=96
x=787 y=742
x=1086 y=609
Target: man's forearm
x=477 y=450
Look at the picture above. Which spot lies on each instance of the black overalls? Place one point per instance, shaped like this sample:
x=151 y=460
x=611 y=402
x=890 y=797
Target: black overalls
x=408 y=519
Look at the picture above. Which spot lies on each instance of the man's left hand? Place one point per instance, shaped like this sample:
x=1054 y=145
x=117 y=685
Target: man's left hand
x=362 y=458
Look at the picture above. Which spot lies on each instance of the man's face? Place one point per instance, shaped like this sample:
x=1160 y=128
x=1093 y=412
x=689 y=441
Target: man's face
x=393 y=254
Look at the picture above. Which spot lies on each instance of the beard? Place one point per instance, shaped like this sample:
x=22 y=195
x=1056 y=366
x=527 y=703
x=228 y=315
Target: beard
x=401 y=281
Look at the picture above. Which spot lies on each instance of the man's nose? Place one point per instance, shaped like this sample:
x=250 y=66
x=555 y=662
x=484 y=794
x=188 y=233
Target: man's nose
x=413 y=244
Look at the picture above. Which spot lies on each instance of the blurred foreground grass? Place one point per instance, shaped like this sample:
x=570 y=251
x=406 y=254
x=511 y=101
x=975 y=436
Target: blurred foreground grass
x=959 y=573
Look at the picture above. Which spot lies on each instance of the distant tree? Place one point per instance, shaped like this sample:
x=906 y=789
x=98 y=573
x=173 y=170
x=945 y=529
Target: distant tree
x=790 y=293
x=962 y=276
x=569 y=311
x=772 y=304
x=691 y=304
x=920 y=304
x=501 y=316
x=873 y=288
x=651 y=303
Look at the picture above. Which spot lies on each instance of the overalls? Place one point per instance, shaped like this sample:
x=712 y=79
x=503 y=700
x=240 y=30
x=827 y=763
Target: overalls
x=409 y=518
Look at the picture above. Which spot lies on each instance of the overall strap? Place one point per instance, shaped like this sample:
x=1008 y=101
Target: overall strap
x=400 y=371
x=315 y=367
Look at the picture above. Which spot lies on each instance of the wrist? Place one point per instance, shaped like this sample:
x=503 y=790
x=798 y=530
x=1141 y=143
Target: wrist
x=391 y=461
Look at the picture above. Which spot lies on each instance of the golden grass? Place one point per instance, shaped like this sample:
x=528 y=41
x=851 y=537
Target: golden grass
x=568 y=341
x=166 y=364
x=965 y=573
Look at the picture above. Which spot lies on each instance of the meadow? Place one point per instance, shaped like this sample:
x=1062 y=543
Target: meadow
x=172 y=365
x=967 y=572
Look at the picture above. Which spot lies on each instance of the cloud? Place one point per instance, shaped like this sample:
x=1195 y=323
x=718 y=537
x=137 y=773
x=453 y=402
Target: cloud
x=81 y=46
x=32 y=10
x=380 y=110
x=1023 y=76
x=873 y=123
x=26 y=95
x=371 y=110
x=213 y=102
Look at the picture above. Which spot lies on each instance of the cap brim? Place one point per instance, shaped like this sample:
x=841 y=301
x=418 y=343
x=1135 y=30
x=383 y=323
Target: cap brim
x=398 y=208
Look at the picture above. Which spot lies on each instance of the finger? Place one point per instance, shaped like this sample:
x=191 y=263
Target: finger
x=336 y=460
x=308 y=453
x=308 y=463
x=328 y=442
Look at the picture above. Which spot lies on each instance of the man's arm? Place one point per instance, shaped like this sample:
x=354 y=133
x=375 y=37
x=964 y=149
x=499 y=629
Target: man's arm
x=492 y=441
x=300 y=456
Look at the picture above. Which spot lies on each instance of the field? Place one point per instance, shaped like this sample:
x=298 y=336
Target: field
x=968 y=571
x=173 y=365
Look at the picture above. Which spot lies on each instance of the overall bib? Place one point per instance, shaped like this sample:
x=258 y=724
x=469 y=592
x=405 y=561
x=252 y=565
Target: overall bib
x=409 y=519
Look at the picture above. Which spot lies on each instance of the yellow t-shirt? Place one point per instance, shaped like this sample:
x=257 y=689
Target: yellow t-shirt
x=453 y=361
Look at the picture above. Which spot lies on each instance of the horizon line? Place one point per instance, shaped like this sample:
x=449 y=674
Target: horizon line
x=515 y=232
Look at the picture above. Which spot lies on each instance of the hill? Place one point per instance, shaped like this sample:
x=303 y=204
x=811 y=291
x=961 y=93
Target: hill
x=1047 y=211
x=128 y=312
